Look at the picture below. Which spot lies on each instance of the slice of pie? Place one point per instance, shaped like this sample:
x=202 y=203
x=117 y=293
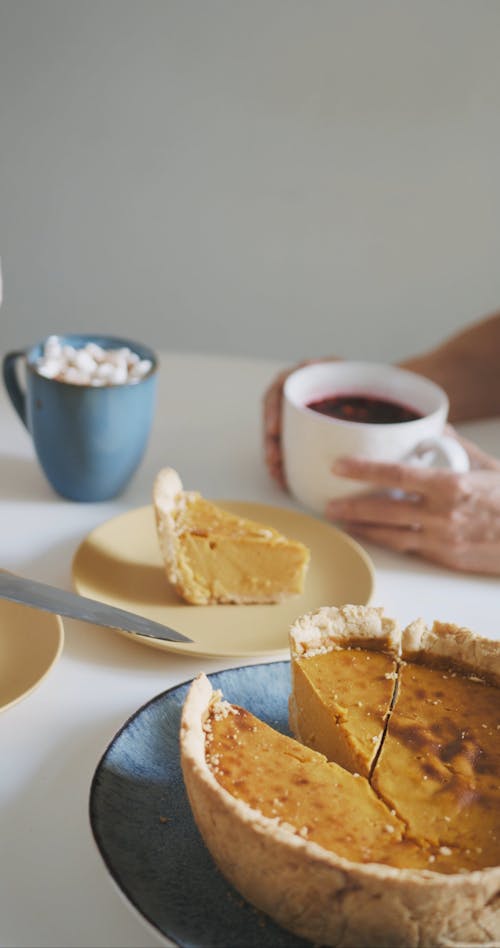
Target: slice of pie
x=344 y=669
x=214 y=556
x=407 y=854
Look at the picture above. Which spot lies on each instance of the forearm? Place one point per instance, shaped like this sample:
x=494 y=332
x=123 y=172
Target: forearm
x=467 y=366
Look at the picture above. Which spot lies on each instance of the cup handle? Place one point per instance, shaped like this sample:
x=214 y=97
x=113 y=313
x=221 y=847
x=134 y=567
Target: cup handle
x=439 y=452
x=14 y=390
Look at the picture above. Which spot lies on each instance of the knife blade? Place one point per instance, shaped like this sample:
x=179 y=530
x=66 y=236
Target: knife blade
x=30 y=592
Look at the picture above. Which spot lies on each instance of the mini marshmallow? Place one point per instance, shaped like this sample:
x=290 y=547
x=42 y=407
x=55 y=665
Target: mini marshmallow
x=104 y=370
x=50 y=369
x=140 y=368
x=91 y=364
x=69 y=353
x=84 y=361
x=97 y=352
x=53 y=346
x=118 y=375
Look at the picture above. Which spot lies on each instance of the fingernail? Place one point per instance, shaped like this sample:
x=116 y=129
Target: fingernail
x=340 y=465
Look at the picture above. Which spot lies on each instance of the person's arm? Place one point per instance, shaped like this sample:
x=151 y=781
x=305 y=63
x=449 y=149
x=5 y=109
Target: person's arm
x=467 y=366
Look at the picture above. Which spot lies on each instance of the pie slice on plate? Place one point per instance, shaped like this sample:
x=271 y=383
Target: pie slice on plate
x=404 y=850
x=214 y=556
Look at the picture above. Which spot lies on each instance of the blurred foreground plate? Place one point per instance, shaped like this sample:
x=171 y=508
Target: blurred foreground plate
x=120 y=563
x=30 y=644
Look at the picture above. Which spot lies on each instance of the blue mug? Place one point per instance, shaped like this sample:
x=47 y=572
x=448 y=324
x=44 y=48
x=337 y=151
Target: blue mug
x=89 y=440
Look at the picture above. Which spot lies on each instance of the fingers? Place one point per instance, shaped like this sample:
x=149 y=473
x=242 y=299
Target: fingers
x=378 y=509
x=483 y=560
x=272 y=404
x=404 y=477
x=272 y=409
x=394 y=538
x=450 y=519
x=274 y=460
x=272 y=427
x=418 y=542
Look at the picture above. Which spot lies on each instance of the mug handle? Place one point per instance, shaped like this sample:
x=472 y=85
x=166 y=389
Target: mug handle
x=14 y=390
x=440 y=452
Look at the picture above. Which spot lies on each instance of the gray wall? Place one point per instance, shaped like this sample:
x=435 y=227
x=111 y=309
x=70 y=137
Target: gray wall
x=270 y=177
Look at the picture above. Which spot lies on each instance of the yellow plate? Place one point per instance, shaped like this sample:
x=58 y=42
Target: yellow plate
x=120 y=563
x=30 y=644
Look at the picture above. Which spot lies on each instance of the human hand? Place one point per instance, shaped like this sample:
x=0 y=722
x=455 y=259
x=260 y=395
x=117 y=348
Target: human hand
x=451 y=519
x=272 y=413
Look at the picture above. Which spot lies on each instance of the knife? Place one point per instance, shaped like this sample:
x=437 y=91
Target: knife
x=29 y=592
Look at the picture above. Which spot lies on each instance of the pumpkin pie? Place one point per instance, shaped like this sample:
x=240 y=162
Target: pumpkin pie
x=213 y=556
x=397 y=846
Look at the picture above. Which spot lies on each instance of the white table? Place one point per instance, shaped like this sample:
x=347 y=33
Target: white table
x=54 y=888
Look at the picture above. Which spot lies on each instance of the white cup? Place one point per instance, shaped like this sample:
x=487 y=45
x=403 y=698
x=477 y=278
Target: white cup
x=311 y=441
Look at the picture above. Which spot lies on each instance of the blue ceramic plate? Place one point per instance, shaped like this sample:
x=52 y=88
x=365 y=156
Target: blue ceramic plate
x=142 y=822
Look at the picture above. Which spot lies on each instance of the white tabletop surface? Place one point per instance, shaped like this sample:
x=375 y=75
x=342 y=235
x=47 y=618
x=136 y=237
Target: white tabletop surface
x=54 y=888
